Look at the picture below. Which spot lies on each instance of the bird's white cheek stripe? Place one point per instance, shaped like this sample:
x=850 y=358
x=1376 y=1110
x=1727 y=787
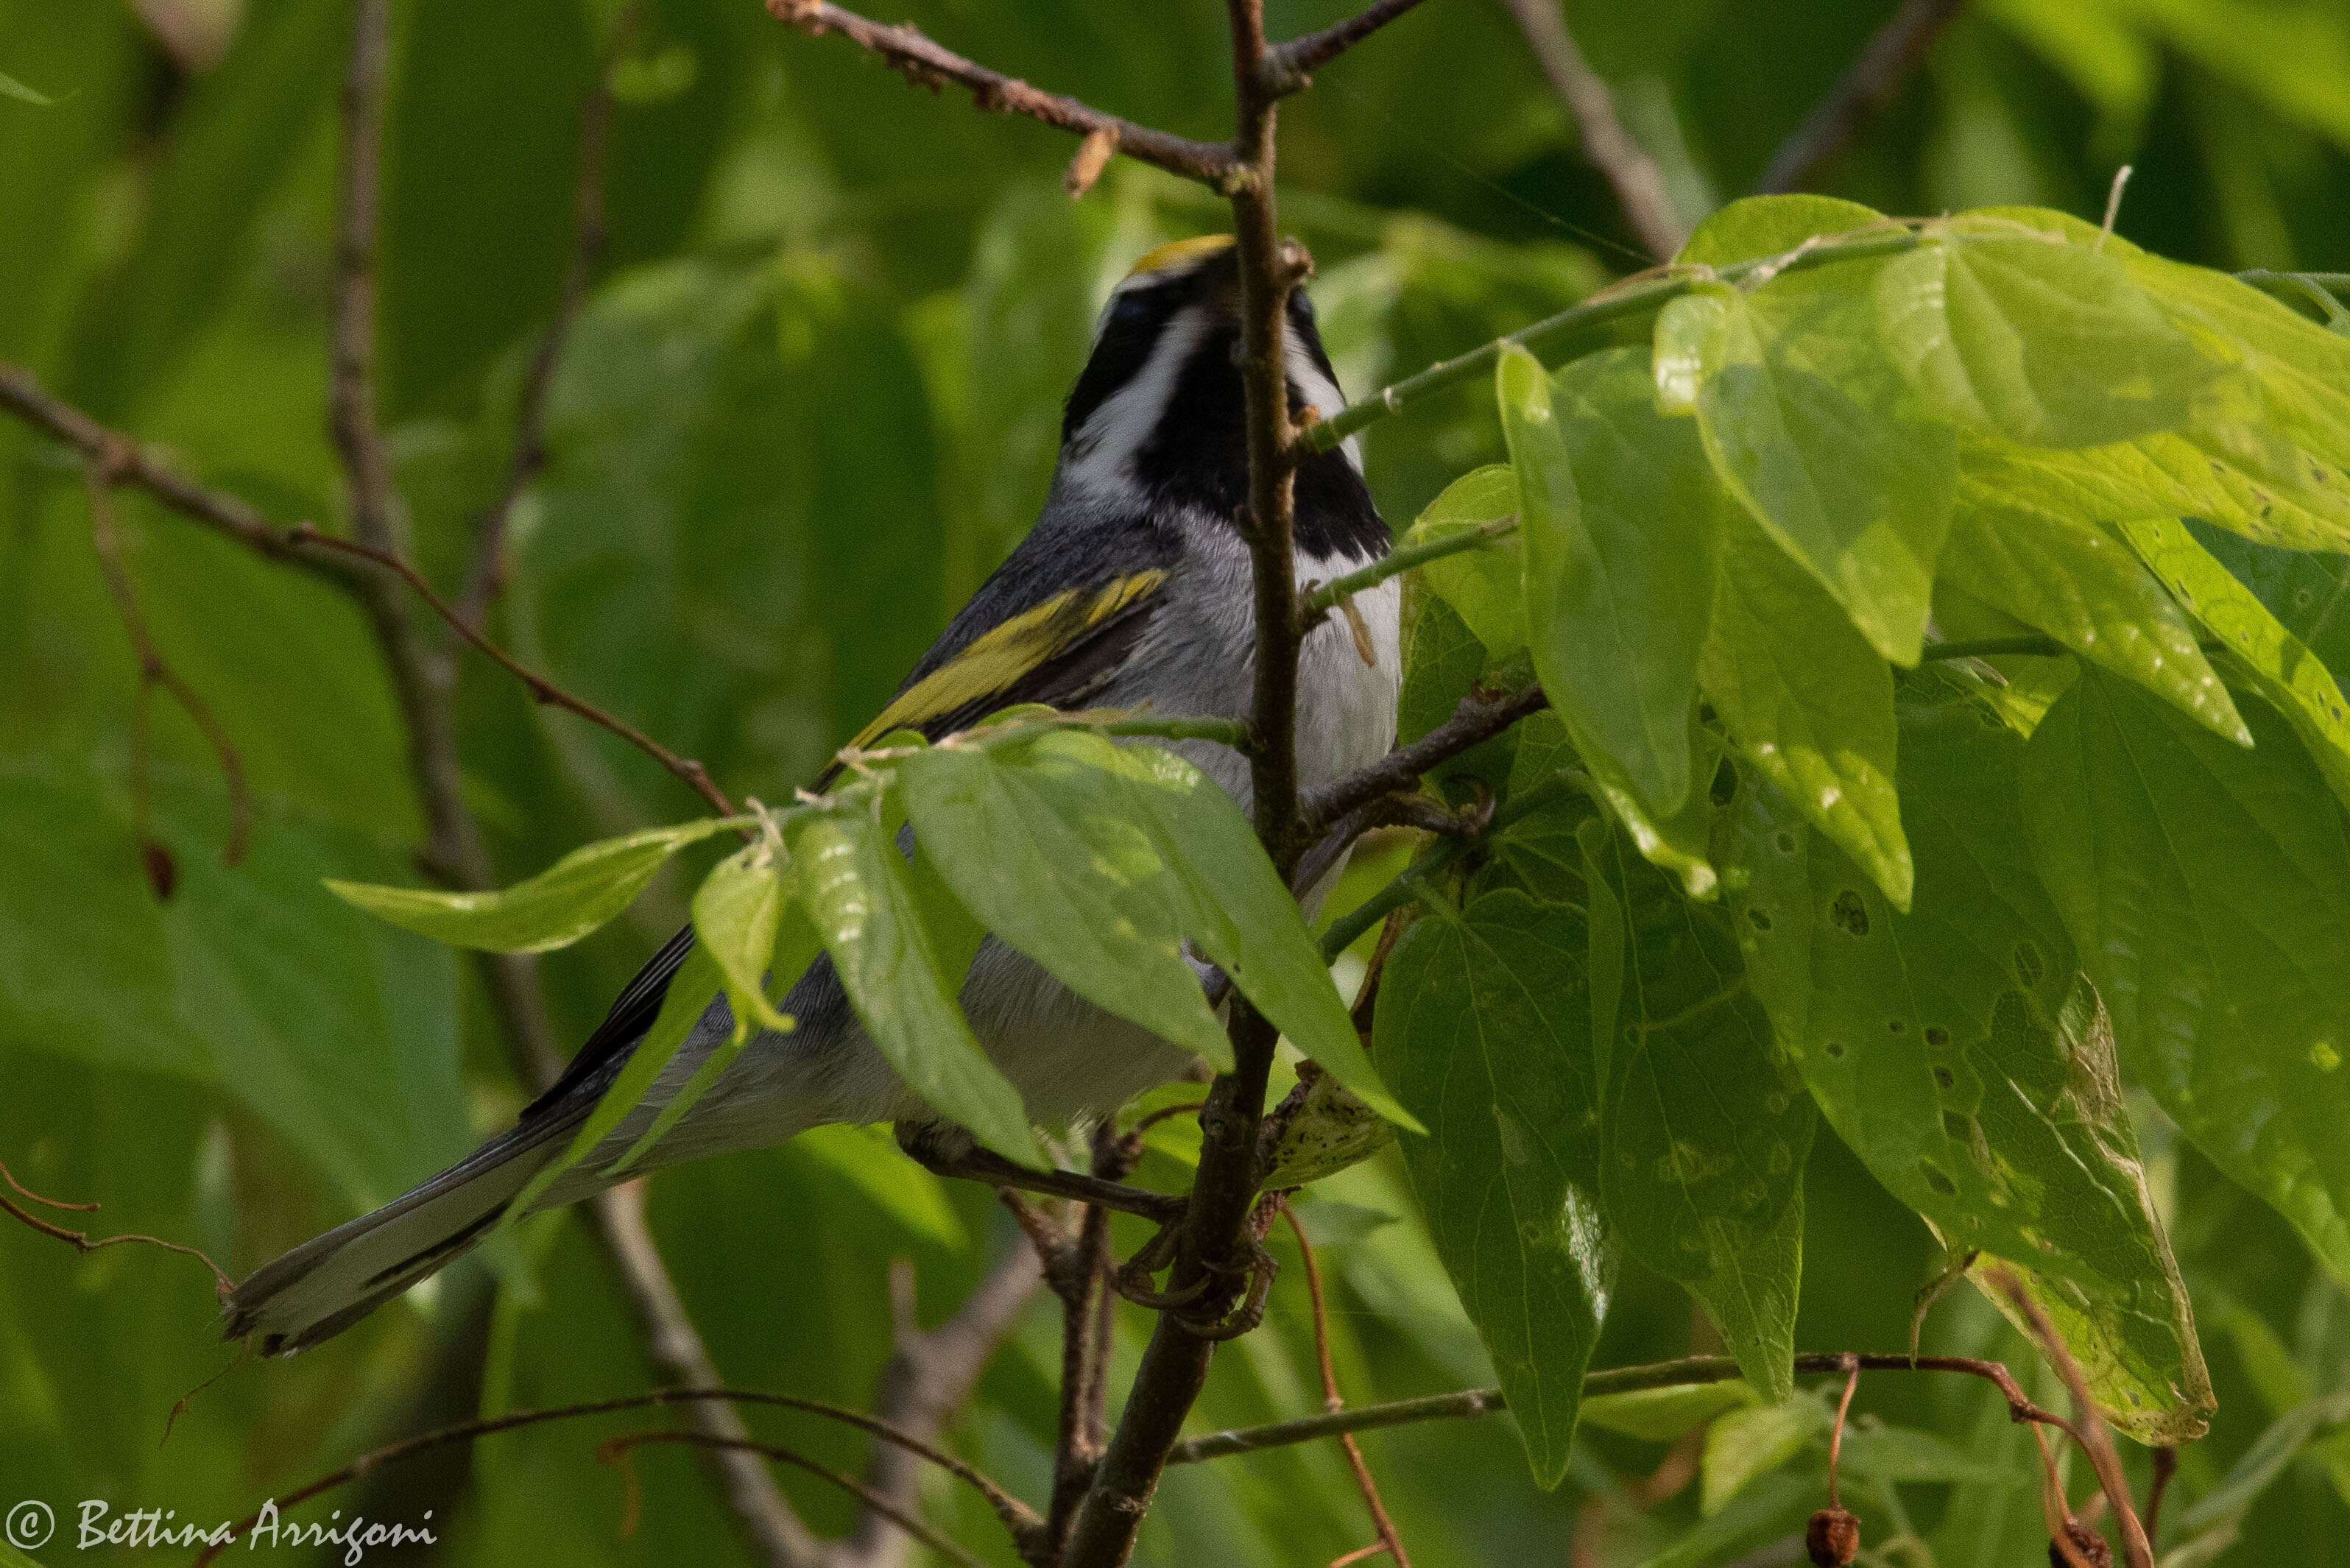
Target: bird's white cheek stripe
x=1321 y=391
x=1102 y=451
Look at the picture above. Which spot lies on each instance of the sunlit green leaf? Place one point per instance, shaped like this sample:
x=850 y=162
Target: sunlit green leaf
x=2019 y=544
x=1806 y=422
x=736 y=911
x=2208 y=888
x=1746 y=1444
x=2046 y=343
x=1660 y=1414
x=1755 y=227
x=870 y=1157
x=560 y=905
x=1807 y=701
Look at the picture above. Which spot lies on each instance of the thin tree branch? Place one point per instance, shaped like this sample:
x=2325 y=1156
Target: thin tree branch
x=1631 y=172
x=1611 y=1380
x=156 y=672
x=1870 y=83
x=485 y=579
x=613 y=1451
x=1289 y=68
x=326 y=554
x=659 y=1398
x=1477 y=719
x=1333 y=1402
x=23 y=395
x=83 y=1242
x=906 y=51
x=2089 y=1429
x=541 y=689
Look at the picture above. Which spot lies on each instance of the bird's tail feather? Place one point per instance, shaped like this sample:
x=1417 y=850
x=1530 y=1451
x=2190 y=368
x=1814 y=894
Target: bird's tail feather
x=330 y=1282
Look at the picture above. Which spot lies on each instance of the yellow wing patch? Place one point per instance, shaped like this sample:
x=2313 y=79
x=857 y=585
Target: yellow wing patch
x=997 y=659
x=1176 y=251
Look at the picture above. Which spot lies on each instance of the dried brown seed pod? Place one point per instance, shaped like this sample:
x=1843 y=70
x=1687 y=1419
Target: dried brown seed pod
x=2088 y=1547
x=1833 y=1538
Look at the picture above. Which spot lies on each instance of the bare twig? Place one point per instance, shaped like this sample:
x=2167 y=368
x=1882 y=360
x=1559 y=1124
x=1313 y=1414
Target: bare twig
x=22 y=394
x=83 y=1242
x=612 y=1450
x=1332 y=1400
x=1289 y=68
x=2089 y=1430
x=1480 y=717
x=1631 y=172
x=541 y=689
x=156 y=673
x=659 y=1398
x=1612 y=1380
x=1835 y=1433
x=485 y=578
x=905 y=49
x=1874 y=76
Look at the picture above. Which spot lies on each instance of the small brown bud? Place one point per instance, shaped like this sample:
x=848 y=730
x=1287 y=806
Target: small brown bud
x=1833 y=1537
x=162 y=871
x=2088 y=1547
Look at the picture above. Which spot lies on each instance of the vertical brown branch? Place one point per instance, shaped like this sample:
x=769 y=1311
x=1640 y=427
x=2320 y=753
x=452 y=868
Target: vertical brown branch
x=1629 y=171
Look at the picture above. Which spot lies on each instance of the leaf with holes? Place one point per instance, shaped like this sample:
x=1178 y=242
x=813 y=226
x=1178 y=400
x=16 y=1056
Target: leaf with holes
x=1958 y=1054
x=1703 y=1133
x=2207 y=886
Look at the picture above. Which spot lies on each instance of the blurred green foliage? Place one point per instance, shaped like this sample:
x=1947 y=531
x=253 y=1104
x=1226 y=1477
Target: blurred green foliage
x=812 y=399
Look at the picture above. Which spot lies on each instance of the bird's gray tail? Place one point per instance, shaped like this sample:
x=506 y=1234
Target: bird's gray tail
x=330 y=1281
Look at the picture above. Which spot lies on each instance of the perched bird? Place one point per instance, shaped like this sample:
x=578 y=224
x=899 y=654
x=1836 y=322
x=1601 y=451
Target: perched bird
x=1133 y=589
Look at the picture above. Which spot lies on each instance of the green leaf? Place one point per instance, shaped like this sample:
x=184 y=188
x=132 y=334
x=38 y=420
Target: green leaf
x=1483 y=584
x=1484 y=1025
x=1956 y=1053
x=554 y=909
x=697 y=985
x=855 y=887
x=1746 y=1444
x=1677 y=844
x=2287 y=673
x=1239 y=913
x=2208 y=889
x=1807 y=701
x=1805 y=421
x=1004 y=824
x=1617 y=510
x=1703 y=1135
x=1660 y=1414
x=2049 y=344
x=2018 y=544
x=736 y=912
x=1755 y=227
x=1442 y=659
x=11 y=88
